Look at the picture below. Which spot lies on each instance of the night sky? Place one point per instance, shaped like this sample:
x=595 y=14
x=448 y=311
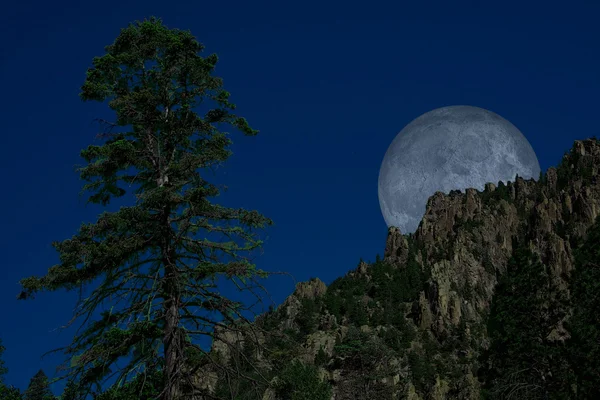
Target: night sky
x=328 y=84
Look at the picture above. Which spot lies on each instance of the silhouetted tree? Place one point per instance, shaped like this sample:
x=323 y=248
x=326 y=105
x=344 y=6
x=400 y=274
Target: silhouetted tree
x=71 y=392
x=155 y=261
x=39 y=388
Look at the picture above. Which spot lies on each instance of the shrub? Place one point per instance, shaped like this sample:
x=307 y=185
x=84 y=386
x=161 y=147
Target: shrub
x=301 y=382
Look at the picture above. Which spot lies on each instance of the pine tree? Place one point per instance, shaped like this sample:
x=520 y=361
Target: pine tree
x=10 y=393
x=584 y=325
x=39 y=388
x=159 y=258
x=301 y=382
x=522 y=361
x=70 y=392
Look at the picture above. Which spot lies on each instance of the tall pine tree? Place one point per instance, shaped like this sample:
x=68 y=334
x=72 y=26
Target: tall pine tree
x=156 y=262
x=39 y=388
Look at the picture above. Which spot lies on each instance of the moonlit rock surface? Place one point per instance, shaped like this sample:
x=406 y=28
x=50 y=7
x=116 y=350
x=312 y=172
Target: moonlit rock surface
x=450 y=148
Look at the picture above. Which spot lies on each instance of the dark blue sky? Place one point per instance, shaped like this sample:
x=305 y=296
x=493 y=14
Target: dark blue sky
x=328 y=84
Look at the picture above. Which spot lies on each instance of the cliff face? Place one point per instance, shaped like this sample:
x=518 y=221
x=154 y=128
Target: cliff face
x=476 y=234
x=415 y=325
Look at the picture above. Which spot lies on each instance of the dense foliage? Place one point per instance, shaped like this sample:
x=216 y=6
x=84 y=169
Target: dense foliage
x=39 y=388
x=526 y=359
x=301 y=382
x=584 y=325
x=523 y=360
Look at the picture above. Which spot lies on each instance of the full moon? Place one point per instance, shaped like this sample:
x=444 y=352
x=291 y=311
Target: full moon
x=449 y=148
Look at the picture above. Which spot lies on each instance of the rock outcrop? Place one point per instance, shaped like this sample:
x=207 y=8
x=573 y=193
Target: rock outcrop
x=458 y=254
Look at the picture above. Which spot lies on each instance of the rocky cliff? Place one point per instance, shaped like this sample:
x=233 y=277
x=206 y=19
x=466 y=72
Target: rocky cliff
x=430 y=319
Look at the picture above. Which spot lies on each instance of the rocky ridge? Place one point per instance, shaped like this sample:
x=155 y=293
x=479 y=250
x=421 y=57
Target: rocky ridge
x=456 y=257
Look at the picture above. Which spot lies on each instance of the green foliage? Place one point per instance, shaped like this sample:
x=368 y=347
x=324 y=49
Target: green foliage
x=161 y=255
x=502 y=192
x=339 y=298
x=409 y=281
x=584 y=325
x=145 y=386
x=407 y=331
x=333 y=303
x=308 y=315
x=282 y=347
x=421 y=370
x=574 y=167
x=352 y=344
x=398 y=284
x=357 y=312
x=301 y=382
x=457 y=342
x=39 y=388
x=71 y=392
x=543 y=178
x=563 y=173
x=362 y=352
x=10 y=393
x=525 y=309
x=390 y=285
x=400 y=336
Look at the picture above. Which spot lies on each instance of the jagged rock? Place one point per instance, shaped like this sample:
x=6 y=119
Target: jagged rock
x=327 y=322
x=311 y=289
x=411 y=393
x=207 y=380
x=227 y=339
x=422 y=311
x=270 y=393
x=396 y=247
x=336 y=375
x=291 y=306
x=440 y=389
x=304 y=290
x=316 y=341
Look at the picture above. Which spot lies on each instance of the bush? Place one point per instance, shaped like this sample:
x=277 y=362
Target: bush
x=307 y=317
x=301 y=382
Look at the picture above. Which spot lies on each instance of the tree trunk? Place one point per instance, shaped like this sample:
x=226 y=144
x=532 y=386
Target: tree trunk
x=172 y=348
x=171 y=340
